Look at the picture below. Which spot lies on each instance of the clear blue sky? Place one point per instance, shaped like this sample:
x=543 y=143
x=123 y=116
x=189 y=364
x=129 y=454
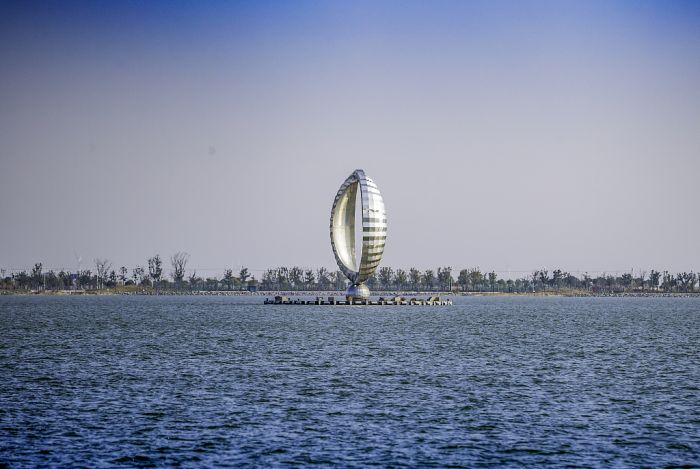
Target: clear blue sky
x=508 y=135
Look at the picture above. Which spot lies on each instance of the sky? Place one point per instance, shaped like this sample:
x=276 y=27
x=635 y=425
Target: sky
x=507 y=135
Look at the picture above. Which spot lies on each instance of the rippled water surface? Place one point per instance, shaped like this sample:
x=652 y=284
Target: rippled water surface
x=228 y=381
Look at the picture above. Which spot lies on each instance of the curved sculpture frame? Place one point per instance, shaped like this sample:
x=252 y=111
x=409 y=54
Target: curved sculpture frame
x=343 y=229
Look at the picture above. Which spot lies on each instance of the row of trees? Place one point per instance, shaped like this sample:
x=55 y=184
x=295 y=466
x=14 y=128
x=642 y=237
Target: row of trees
x=474 y=280
x=386 y=278
x=151 y=275
x=542 y=281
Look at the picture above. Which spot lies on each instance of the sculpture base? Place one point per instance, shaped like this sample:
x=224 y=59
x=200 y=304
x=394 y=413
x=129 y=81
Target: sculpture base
x=333 y=301
x=357 y=292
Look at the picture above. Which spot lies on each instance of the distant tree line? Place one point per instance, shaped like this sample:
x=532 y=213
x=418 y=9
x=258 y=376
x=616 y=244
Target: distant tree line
x=474 y=280
x=151 y=275
x=386 y=278
x=558 y=280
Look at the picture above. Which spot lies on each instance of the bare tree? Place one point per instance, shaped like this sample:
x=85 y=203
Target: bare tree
x=155 y=269
x=179 y=262
x=654 y=277
x=309 y=279
x=102 y=267
x=544 y=278
x=194 y=280
x=122 y=275
x=138 y=274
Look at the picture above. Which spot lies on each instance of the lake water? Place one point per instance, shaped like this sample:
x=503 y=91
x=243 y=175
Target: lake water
x=227 y=381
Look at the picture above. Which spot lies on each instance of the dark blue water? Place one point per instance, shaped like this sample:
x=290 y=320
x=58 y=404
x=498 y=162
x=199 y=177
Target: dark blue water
x=117 y=381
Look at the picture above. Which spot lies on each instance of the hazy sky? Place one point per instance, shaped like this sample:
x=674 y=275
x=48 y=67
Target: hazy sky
x=508 y=135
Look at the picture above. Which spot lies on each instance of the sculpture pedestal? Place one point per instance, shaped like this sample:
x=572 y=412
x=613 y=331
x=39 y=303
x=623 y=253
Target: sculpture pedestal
x=357 y=292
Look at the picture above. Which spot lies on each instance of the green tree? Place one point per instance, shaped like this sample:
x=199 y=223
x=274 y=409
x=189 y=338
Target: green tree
x=610 y=283
x=463 y=279
x=492 y=279
x=626 y=280
x=386 y=275
x=283 y=278
x=415 y=278
x=244 y=275
x=295 y=277
x=51 y=280
x=85 y=279
x=401 y=278
x=22 y=280
x=65 y=280
x=211 y=283
x=372 y=281
x=429 y=279
x=36 y=276
x=268 y=279
x=444 y=278
x=111 y=279
x=227 y=279
x=324 y=279
x=642 y=279
x=338 y=279
x=476 y=278
x=654 y=278
x=557 y=278
x=571 y=281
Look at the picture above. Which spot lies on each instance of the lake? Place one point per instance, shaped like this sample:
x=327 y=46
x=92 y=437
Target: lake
x=507 y=381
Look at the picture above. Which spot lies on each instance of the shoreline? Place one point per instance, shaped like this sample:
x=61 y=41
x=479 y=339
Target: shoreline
x=338 y=293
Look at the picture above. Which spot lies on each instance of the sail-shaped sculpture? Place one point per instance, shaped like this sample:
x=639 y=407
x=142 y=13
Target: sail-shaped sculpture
x=343 y=231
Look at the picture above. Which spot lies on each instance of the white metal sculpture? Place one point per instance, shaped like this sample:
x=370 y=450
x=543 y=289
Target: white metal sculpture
x=343 y=231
